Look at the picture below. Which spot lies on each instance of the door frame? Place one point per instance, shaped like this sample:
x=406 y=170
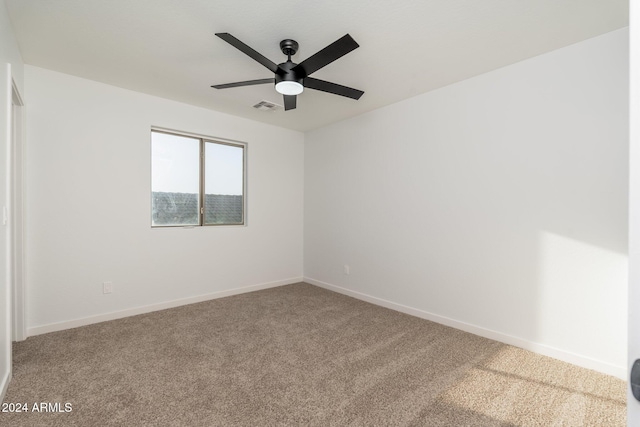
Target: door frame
x=16 y=215
x=633 y=406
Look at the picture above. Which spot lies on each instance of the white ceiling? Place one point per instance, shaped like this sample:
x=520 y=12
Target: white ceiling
x=167 y=48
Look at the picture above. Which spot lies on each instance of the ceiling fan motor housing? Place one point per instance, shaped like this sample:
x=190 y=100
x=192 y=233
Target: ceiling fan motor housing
x=289 y=76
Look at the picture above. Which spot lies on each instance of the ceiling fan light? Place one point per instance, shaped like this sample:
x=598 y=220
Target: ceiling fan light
x=289 y=88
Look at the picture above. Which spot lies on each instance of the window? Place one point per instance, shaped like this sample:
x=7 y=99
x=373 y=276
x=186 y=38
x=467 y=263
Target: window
x=196 y=180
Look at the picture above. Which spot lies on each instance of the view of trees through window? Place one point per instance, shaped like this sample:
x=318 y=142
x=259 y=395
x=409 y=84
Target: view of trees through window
x=196 y=181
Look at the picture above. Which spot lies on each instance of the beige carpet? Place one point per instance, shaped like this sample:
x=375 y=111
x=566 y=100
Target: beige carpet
x=298 y=355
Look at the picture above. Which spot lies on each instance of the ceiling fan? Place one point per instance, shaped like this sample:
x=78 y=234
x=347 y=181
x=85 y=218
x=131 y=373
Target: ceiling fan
x=291 y=78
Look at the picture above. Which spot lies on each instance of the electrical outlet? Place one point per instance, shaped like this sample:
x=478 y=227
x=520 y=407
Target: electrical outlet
x=347 y=270
x=107 y=287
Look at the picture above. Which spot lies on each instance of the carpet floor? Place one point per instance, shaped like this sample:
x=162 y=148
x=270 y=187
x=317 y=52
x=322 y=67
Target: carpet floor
x=297 y=355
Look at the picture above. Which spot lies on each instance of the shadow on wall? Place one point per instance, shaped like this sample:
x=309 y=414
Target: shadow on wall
x=574 y=275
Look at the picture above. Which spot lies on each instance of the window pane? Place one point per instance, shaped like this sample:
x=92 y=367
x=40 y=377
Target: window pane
x=223 y=183
x=175 y=180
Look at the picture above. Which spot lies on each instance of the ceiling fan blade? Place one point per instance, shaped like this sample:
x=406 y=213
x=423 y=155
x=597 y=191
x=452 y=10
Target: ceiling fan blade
x=326 y=56
x=289 y=102
x=334 y=88
x=249 y=51
x=245 y=83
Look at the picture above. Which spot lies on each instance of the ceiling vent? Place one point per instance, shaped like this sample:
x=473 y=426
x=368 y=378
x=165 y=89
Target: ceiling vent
x=267 y=106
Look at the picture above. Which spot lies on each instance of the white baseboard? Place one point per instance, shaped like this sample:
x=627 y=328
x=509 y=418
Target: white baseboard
x=75 y=323
x=566 y=356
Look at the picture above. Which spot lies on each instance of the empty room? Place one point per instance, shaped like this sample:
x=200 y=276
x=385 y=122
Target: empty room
x=224 y=213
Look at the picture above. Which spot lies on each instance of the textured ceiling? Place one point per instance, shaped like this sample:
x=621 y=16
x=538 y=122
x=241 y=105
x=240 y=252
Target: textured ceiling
x=167 y=48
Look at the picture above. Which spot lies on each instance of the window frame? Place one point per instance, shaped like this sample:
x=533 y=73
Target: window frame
x=203 y=140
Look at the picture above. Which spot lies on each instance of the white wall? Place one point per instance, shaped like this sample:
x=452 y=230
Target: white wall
x=11 y=68
x=88 y=206
x=497 y=204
